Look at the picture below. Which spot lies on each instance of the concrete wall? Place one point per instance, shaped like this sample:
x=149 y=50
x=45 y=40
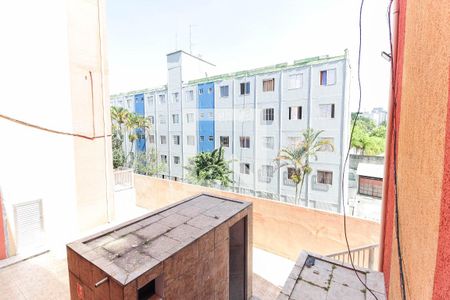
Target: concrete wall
x=279 y=228
x=54 y=75
x=422 y=118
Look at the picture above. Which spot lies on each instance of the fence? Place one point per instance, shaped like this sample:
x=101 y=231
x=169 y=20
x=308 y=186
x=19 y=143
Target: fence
x=362 y=257
x=123 y=179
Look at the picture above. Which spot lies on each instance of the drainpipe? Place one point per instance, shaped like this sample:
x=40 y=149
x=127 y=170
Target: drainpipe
x=389 y=133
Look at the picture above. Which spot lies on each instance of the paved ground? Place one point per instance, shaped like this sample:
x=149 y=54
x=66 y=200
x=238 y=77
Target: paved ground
x=46 y=277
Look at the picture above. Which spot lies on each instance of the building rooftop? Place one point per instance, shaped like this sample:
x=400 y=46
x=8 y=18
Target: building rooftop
x=318 y=277
x=370 y=170
x=128 y=251
x=243 y=73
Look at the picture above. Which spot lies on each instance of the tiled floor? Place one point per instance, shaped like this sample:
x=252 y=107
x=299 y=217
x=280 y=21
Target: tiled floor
x=46 y=277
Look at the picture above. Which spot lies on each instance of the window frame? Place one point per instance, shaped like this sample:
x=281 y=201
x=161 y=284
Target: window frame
x=268 y=114
x=222 y=143
x=268 y=85
x=290 y=80
x=243 y=166
x=244 y=142
x=222 y=88
x=324 y=177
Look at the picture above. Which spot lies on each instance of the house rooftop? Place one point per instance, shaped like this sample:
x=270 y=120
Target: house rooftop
x=127 y=251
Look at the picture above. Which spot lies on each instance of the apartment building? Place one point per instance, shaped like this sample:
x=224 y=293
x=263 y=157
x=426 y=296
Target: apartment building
x=252 y=114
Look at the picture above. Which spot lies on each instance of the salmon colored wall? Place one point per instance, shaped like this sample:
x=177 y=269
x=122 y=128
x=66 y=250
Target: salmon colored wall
x=2 y=231
x=280 y=228
x=423 y=52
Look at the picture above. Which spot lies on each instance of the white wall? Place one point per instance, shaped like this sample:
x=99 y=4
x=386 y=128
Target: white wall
x=36 y=88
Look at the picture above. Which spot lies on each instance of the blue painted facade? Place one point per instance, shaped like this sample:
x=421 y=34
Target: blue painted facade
x=139 y=109
x=206 y=117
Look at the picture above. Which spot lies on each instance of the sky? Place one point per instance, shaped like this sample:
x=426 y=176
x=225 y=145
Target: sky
x=243 y=34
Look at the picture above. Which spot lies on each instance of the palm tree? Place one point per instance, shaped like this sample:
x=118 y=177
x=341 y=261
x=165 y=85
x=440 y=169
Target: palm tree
x=298 y=157
x=119 y=117
x=209 y=169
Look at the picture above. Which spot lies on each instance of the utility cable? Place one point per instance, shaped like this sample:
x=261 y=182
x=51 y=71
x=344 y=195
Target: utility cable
x=24 y=123
x=348 y=154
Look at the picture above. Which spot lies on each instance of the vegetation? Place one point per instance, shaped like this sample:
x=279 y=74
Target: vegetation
x=368 y=139
x=298 y=157
x=126 y=124
x=209 y=169
x=147 y=163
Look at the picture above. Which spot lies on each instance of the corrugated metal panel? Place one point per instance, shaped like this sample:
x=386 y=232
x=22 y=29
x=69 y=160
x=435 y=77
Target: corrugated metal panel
x=29 y=225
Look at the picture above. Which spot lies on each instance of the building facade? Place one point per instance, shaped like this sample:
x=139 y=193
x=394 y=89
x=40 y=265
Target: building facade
x=252 y=114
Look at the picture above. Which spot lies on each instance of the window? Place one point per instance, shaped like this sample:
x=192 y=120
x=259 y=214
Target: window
x=162 y=99
x=245 y=168
x=244 y=141
x=327 y=147
x=295 y=113
x=202 y=138
x=225 y=141
x=175 y=118
x=151 y=119
x=267 y=171
x=164 y=159
x=211 y=138
x=224 y=91
x=328 y=77
x=210 y=90
x=268 y=114
x=163 y=139
x=151 y=139
x=269 y=85
x=176 y=139
x=327 y=111
x=176 y=160
x=268 y=142
x=162 y=119
x=175 y=98
x=245 y=88
x=295 y=81
x=190 y=140
x=200 y=91
x=150 y=101
x=294 y=140
x=190 y=96
x=291 y=172
x=189 y=117
x=324 y=177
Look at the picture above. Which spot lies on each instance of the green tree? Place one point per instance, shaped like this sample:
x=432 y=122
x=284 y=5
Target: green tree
x=368 y=139
x=298 y=157
x=209 y=169
x=146 y=163
x=119 y=117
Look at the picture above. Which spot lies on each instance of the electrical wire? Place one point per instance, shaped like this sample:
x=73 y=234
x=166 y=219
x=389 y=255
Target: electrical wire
x=24 y=123
x=394 y=133
x=348 y=154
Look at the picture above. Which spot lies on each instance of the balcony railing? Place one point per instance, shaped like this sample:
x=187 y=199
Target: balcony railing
x=123 y=179
x=363 y=257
